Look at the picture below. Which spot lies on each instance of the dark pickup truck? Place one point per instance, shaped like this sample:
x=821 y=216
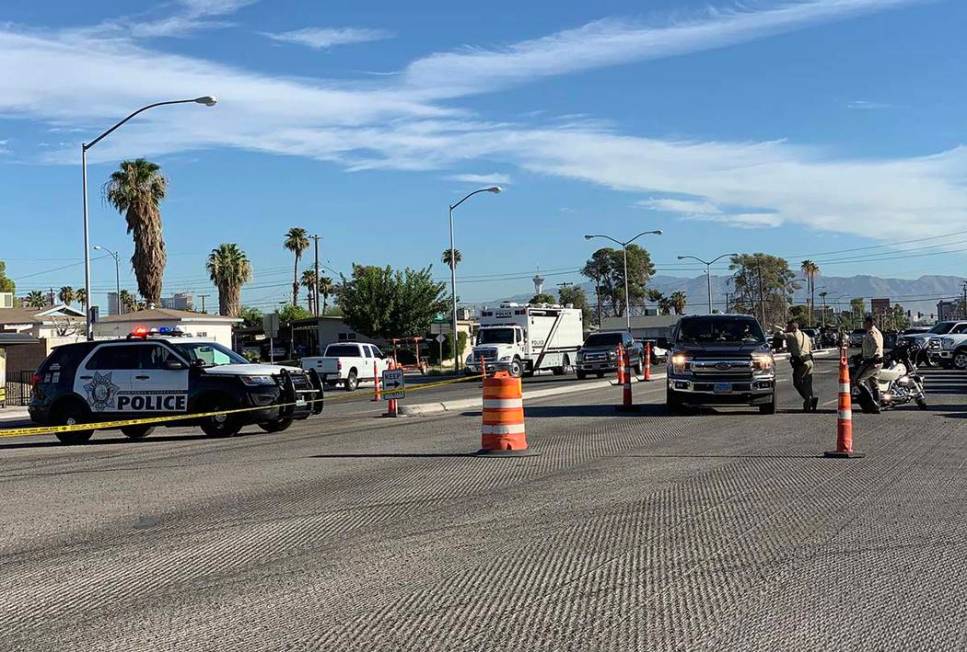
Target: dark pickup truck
x=720 y=360
x=599 y=354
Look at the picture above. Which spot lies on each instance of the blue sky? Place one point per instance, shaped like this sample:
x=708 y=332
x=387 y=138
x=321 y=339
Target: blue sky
x=801 y=128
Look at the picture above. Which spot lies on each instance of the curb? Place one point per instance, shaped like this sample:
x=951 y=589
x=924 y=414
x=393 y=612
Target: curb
x=425 y=409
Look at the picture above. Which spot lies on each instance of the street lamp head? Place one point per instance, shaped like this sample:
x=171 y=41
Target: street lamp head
x=658 y=232
x=98 y=248
x=588 y=237
x=681 y=258
x=495 y=189
x=207 y=100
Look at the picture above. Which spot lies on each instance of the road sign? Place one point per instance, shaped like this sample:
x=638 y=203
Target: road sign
x=270 y=324
x=441 y=338
x=393 y=384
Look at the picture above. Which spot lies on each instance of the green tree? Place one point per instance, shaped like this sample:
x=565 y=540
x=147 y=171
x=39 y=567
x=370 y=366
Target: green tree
x=543 y=297
x=136 y=189
x=764 y=285
x=308 y=281
x=857 y=309
x=290 y=312
x=296 y=241
x=66 y=295
x=606 y=269
x=678 y=301
x=326 y=289
x=229 y=269
x=6 y=283
x=449 y=260
x=127 y=302
x=575 y=296
x=81 y=295
x=379 y=302
x=35 y=299
x=250 y=316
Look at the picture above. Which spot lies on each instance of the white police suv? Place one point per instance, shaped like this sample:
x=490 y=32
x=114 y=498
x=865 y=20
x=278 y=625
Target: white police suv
x=161 y=373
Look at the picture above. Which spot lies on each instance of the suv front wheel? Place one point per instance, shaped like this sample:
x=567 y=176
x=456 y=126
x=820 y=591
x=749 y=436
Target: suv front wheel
x=71 y=414
x=769 y=408
x=222 y=425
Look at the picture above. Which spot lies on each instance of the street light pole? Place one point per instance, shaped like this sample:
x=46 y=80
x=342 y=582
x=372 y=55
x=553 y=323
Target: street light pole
x=624 y=248
x=117 y=275
x=206 y=100
x=315 y=284
x=453 y=273
x=708 y=274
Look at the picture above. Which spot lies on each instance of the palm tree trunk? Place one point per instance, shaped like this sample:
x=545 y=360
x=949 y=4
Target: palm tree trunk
x=295 y=281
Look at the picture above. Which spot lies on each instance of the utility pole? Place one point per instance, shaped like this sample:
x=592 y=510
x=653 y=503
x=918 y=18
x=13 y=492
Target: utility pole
x=203 y=297
x=963 y=306
x=315 y=284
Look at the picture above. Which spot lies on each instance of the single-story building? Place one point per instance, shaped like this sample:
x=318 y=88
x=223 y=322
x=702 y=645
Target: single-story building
x=644 y=327
x=61 y=322
x=192 y=324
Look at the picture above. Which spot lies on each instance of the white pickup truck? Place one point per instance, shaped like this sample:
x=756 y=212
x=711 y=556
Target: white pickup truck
x=348 y=364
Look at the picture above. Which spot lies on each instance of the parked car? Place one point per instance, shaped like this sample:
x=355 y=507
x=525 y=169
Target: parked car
x=659 y=350
x=348 y=364
x=151 y=374
x=856 y=337
x=925 y=347
x=721 y=360
x=599 y=353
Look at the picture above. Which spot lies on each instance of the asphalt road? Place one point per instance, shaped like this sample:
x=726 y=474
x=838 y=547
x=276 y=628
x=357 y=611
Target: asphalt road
x=724 y=531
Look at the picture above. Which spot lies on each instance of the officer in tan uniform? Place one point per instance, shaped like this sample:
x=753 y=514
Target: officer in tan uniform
x=800 y=349
x=872 y=358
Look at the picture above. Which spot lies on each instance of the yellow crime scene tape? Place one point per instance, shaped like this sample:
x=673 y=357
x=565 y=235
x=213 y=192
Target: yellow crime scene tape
x=108 y=425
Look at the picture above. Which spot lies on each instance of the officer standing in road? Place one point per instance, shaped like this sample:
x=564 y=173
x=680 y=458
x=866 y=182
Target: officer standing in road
x=800 y=349
x=872 y=358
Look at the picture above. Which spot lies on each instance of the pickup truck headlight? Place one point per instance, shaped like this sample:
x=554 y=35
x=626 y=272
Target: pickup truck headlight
x=946 y=343
x=255 y=381
x=680 y=363
x=470 y=360
x=612 y=355
x=763 y=361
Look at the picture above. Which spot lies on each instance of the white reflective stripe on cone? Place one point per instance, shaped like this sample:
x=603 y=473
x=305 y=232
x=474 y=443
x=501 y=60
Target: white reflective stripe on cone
x=503 y=403
x=846 y=415
x=515 y=429
x=844 y=388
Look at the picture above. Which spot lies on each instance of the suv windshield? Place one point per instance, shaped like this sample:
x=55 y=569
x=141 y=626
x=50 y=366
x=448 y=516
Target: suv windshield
x=495 y=336
x=208 y=354
x=603 y=339
x=720 y=329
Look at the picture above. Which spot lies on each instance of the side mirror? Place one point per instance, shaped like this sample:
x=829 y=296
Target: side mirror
x=174 y=365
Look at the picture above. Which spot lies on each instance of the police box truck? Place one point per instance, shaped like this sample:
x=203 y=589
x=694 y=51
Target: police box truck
x=524 y=339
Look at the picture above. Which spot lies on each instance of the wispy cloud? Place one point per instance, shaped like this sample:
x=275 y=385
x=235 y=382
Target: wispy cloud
x=610 y=42
x=864 y=105
x=327 y=37
x=483 y=179
x=189 y=16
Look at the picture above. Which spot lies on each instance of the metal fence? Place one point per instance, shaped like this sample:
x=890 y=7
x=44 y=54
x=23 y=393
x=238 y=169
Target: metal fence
x=17 y=389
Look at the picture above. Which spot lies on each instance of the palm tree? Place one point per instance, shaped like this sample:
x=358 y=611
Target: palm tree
x=126 y=301
x=81 y=295
x=229 y=269
x=326 y=288
x=810 y=270
x=665 y=306
x=296 y=241
x=450 y=260
x=136 y=189
x=35 y=299
x=678 y=301
x=309 y=283
x=66 y=295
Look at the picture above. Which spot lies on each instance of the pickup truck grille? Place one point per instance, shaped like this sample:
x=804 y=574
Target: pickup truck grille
x=723 y=369
x=595 y=356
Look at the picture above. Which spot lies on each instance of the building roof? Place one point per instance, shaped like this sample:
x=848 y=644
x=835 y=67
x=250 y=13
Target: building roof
x=166 y=314
x=19 y=315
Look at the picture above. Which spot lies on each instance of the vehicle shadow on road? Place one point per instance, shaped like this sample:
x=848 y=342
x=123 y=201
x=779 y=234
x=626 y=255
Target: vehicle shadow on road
x=736 y=457
x=365 y=456
x=115 y=441
x=644 y=410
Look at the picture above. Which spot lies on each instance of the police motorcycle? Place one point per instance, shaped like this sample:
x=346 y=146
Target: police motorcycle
x=897 y=383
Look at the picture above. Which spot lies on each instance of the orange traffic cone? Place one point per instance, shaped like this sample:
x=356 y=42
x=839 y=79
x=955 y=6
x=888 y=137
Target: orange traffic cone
x=844 y=421
x=621 y=365
x=502 y=431
x=627 y=404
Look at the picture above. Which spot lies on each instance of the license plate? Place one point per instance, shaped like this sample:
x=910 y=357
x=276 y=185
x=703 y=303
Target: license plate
x=300 y=402
x=723 y=388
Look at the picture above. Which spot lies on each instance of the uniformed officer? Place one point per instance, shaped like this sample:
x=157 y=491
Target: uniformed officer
x=800 y=348
x=872 y=358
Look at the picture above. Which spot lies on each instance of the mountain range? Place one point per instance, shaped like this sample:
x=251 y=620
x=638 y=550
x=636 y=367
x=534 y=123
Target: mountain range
x=917 y=295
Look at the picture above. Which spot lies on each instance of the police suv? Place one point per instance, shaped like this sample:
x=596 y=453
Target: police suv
x=161 y=373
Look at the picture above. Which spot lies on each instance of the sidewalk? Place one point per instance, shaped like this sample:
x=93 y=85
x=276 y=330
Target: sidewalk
x=14 y=416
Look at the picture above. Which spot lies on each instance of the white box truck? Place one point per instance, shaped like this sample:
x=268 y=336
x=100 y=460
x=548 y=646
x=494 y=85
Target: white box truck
x=524 y=339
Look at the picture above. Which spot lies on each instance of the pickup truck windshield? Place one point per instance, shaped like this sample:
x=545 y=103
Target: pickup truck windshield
x=943 y=328
x=495 y=336
x=720 y=329
x=603 y=339
x=208 y=354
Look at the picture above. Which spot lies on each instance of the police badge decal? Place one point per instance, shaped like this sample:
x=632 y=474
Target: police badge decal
x=101 y=392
